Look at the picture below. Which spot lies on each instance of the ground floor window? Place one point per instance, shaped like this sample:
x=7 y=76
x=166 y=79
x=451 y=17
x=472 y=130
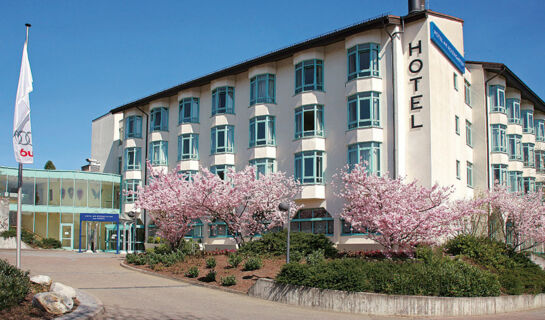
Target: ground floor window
x=514 y=181
x=316 y=220
x=500 y=173
x=196 y=230
x=366 y=152
x=219 y=229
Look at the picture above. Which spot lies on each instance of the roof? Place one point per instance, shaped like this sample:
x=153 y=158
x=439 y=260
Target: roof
x=512 y=81
x=323 y=40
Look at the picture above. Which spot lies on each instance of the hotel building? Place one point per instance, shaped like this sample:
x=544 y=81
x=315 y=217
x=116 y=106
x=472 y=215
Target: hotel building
x=395 y=91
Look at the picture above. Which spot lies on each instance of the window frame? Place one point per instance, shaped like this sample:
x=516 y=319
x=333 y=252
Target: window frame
x=539 y=129
x=318 y=117
x=221 y=169
x=499 y=170
x=317 y=162
x=528 y=154
x=131 y=184
x=458 y=170
x=193 y=140
x=136 y=123
x=513 y=111
x=196 y=224
x=134 y=154
x=296 y=220
x=469 y=173
x=457 y=124
x=228 y=132
x=373 y=148
x=212 y=230
x=267 y=164
x=517 y=176
x=373 y=50
x=499 y=138
x=527 y=121
x=269 y=97
x=229 y=107
x=497 y=98
x=469 y=134
x=318 y=76
x=374 y=110
x=467 y=92
x=269 y=123
x=162 y=146
x=191 y=103
x=515 y=155
x=163 y=125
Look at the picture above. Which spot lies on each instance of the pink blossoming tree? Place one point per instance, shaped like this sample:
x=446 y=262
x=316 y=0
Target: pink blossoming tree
x=247 y=204
x=398 y=215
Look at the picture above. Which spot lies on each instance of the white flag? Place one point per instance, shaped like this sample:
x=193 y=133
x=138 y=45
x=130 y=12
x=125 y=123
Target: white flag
x=22 y=135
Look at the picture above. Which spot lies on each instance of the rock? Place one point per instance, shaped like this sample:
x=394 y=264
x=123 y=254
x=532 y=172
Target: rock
x=63 y=289
x=52 y=302
x=41 y=279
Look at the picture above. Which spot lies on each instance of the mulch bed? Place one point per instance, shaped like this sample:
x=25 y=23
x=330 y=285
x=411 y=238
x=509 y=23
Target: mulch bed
x=245 y=279
x=26 y=311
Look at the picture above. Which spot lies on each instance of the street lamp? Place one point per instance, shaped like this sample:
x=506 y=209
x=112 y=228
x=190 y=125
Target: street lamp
x=285 y=207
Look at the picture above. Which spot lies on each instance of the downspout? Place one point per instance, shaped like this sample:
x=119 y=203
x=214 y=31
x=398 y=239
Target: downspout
x=146 y=230
x=395 y=116
x=487 y=93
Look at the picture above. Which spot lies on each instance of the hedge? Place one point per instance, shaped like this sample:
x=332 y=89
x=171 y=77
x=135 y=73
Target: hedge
x=14 y=285
x=274 y=243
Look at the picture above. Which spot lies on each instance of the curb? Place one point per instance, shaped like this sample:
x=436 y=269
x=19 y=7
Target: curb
x=89 y=307
x=209 y=286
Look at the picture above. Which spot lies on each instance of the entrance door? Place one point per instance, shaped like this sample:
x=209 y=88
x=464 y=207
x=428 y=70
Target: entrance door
x=66 y=237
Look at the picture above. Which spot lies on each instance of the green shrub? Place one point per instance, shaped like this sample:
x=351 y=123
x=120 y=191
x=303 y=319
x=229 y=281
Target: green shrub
x=49 y=243
x=193 y=272
x=151 y=258
x=516 y=272
x=296 y=256
x=189 y=247
x=11 y=233
x=234 y=260
x=163 y=248
x=440 y=277
x=253 y=263
x=228 y=281
x=211 y=263
x=274 y=243
x=14 y=285
x=210 y=276
x=315 y=257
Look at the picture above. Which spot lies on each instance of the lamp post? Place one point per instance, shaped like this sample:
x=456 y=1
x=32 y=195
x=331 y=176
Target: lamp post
x=284 y=207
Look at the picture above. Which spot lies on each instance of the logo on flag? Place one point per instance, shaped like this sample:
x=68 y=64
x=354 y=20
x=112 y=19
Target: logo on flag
x=22 y=134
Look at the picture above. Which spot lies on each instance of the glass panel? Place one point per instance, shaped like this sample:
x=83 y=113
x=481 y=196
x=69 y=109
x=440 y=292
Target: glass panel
x=3 y=184
x=41 y=191
x=305 y=214
x=306 y=226
x=320 y=227
x=351 y=63
x=28 y=190
x=94 y=194
x=364 y=58
x=81 y=193
x=309 y=167
x=309 y=75
x=308 y=124
x=117 y=195
x=66 y=234
x=27 y=220
x=54 y=225
x=54 y=191
x=67 y=192
x=40 y=226
x=261 y=132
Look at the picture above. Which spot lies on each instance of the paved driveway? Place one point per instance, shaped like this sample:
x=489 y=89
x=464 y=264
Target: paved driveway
x=132 y=295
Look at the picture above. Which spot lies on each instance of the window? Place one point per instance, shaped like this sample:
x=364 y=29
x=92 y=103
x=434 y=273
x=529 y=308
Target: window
x=364 y=110
x=540 y=160
x=223 y=139
x=467 y=93
x=455 y=80
x=309 y=167
x=457 y=125
x=514 y=181
x=119 y=165
x=529 y=184
x=499 y=143
x=497 y=98
x=262 y=89
x=189 y=111
x=309 y=75
x=262 y=131
x=223 y=100
x=363 y=61
x=347 y=230
x=188 y=174
x=458 y=173
x=158 y=153
x=469 y=136
x=368 y=152
x=131 y=185
x=133 y=127
x=514 y=147
x=309 y=121
x=263 y=166
x=513 y=111
x=159 y=119
x=528 y=154
x=539 y=127
x=196 y=230
x=500 y=173
x=133 y=159
x=219 y=229
x=317 y=221
x=470 y=174
x=222 y=170
x=188 y=146
x=527 y=121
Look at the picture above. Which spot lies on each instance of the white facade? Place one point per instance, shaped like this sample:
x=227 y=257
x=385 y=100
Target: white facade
x=415 y=129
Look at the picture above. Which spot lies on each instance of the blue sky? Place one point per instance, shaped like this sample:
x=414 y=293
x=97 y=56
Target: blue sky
x=88 y=57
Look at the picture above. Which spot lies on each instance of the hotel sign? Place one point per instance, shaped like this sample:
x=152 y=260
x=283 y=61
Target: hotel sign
x=444 y=44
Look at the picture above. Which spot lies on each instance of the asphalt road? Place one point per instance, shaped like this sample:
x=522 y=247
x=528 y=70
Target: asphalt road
x=128 y=294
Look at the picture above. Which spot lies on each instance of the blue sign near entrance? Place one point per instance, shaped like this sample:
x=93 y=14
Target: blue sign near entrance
x=99 y=217
x=444 y=44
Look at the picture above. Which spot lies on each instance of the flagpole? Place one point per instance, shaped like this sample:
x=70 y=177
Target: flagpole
x=20 y=192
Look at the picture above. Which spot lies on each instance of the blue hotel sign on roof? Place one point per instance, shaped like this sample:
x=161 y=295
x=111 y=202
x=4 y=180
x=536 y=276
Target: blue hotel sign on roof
x=443 y=43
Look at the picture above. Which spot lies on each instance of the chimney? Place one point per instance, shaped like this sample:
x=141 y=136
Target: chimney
x=417 y=5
